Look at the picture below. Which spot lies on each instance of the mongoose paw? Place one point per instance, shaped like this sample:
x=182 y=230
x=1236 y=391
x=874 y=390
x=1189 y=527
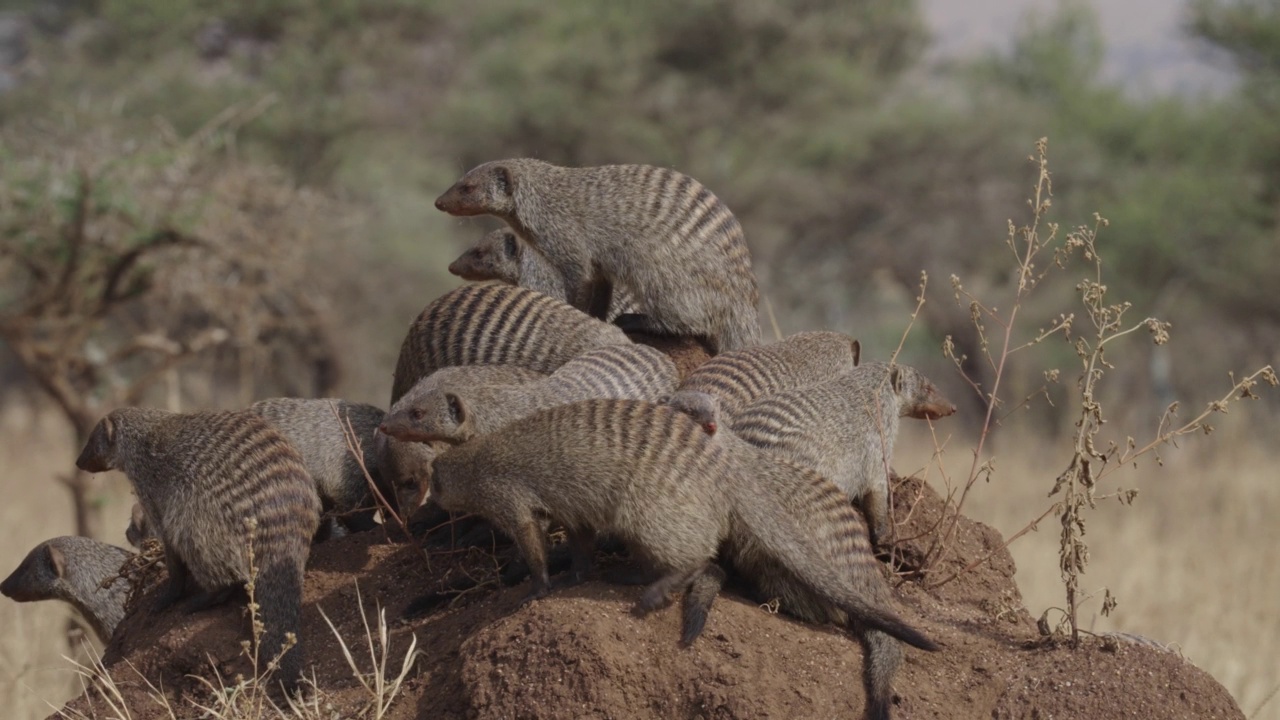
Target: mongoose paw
x=537 y=593
x=634 y=323
x=652 y=599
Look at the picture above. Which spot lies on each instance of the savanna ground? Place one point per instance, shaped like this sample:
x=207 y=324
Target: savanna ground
x=1187 y=561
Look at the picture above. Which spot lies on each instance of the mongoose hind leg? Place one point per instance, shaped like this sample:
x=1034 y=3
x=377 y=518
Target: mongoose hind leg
x=210 y=598
x=531 y=537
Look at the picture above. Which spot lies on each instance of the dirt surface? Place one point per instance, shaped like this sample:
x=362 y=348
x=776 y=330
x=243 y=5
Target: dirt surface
x=580 y=654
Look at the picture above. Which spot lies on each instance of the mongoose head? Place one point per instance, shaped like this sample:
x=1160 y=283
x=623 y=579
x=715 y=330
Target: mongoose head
x=407 y=465
x=704 y=408
x=495 y=257
x=917 y=396
x=44 y=569
x=488 y=189
x=432 y=414
x=99 y=453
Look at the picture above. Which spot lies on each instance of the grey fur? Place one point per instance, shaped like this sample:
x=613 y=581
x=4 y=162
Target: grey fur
x=845 y=428
x=72 y=569
x=199 y=477
x=740 y=377
x=651 y=476
x=450 y=408
x=657 y=233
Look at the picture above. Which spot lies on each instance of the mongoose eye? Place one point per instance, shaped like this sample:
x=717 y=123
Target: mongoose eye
x=509 y=244
x=417 y=414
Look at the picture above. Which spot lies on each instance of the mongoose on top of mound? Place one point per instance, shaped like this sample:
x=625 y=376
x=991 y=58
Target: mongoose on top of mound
x=199 y=477
x=842 y=534
x=316 y=432
x=407 y=465
x=72 y=569
x=740 y=377
x=650 y=476
x=661 y=235
x=497 y=324
x=503 y=256
x=845 y=428
x=453 y=410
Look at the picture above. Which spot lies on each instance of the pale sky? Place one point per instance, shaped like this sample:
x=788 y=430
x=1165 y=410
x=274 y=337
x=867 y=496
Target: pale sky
x=1146 y=49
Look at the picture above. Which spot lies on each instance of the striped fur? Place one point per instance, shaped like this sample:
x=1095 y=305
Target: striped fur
x=199 y=476
x=743 y=376
x=72 y=569
x=657 y=233
x=504 y=256
x=651 y=476
x=497 y=324
x=845 y=428
x=406 y=464
x=317 y=433
x=453 y=407
x=836 y=531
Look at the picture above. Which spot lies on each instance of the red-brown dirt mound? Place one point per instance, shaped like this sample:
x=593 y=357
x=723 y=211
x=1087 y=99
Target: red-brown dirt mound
x=580 y=654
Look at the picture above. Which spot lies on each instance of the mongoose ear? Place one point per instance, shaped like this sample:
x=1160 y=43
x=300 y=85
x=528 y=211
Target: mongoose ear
x=93 y=458
x=509 y=245
x=506 y=182
x=856 y=347
x=137 y=515
x=57 y=560
x=895 y=378
x=457 y=408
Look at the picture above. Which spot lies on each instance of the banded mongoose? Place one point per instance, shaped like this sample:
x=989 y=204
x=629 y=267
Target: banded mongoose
x=497 y=324
x=659 y=234
x=843 y=534
x=740 y=377
x=444 y=409
x=407 y=465
x=503 y=256
x=199 y=478
x=73 y=569
x=315 y=428
x=652 y=477
x=845 y=428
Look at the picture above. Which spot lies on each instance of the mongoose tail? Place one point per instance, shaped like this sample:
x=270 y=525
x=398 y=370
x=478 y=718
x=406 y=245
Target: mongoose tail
x=805 y=556
x=280 y=583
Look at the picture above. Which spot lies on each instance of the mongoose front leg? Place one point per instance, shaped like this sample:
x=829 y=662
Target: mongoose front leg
x=179 y=576
x=582 y=546
x=875 y=505
x=531 y=537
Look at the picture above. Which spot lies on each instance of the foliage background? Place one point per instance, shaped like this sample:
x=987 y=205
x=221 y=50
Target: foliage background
x=853 y=163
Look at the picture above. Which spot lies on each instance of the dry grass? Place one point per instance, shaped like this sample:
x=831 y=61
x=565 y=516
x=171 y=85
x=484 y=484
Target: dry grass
x=1191 y=562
